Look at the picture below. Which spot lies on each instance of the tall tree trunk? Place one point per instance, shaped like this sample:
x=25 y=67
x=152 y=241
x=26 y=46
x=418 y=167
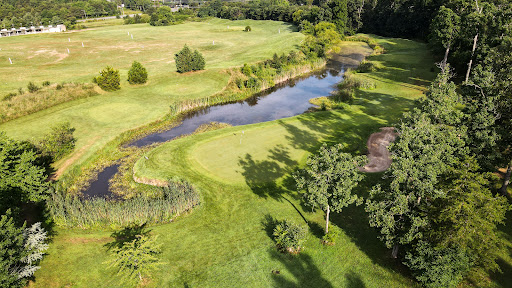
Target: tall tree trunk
x=475 y=40
x=394 y=253
x=506 y=180
x=327 y=220
x=445 y=60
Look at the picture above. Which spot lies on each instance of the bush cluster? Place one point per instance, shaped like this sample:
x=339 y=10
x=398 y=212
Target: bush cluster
x=289 y=236
x=247 y=29
x=59 y=142
x=136 y=19
x=109 y=79
x=163 y=16
x=264 y=72
x=186 y=60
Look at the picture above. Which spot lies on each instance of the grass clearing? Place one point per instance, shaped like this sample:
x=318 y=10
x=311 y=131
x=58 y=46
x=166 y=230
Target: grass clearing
x=107 y=115
x=225 y=242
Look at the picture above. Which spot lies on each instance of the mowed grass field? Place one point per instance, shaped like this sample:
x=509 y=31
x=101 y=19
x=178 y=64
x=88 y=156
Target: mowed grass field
x=99 y=119
x=226 y=241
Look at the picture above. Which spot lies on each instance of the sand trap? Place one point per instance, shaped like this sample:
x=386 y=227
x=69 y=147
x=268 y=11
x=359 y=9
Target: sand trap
x=379 y=158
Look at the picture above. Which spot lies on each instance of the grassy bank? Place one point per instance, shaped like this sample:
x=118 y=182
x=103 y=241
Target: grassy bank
x=225 y=242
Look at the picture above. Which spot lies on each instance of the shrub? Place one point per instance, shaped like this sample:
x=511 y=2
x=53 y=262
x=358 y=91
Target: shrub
x=46 y=83
x=352 y=81
x=60 y=86
x=331 y=237
x=247 y=29
x=289 y=236
x=239 y=83
x=368 y=66
x=345 y=95
x=32 y=87
x=59 y=142
x=9 y=96
x=252 y=82
x=137 y=74
x=109 y=79
x=246 y=70
x=187 y=61
x=20 y=91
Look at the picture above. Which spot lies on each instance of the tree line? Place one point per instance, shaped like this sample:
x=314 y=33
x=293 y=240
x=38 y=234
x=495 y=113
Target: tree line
x=25 y=13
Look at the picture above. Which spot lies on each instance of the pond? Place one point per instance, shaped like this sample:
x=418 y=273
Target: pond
x=284 y=100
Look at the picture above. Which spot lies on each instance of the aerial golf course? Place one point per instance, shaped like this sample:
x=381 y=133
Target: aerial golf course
x=243 y=173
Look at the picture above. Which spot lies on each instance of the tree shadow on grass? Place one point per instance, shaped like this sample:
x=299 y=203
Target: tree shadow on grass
x=301 y=266
x=354 y=280
x=127 y=234
x=353 y=220
x=387 y=107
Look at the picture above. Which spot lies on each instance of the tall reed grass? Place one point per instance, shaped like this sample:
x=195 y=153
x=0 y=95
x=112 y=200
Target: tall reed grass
x=74 y=211
x=15 y=106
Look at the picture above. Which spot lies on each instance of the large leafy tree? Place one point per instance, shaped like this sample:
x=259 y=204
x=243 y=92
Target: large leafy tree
x=339 y=15
x=444 y=29
x=23 y=178
x=422 y=153
x=136 y=259
x=468 y=216
x=328 y=180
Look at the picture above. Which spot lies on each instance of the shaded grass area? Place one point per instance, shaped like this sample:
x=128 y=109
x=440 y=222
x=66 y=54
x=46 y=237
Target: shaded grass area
x=99 y=119
x=226 y=241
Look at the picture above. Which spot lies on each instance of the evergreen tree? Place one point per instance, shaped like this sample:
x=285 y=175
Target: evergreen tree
x=198 y=61
x=187 y=61
x=137 y=74
x=184 y=60
x=109 y=79
x=23 y=179
x=20 y=248
x=11 y=250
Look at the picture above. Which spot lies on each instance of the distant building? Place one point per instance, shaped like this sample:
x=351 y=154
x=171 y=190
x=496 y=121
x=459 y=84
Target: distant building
x=32 y=30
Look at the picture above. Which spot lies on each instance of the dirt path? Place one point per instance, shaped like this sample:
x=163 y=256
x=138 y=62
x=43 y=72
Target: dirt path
x=379 y=158
x=75 y=156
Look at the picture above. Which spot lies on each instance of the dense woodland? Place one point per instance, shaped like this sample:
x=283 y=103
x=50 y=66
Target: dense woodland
x=438 y=206
x=14 y=13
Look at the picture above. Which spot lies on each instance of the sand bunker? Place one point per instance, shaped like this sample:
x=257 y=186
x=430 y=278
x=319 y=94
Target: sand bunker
x=379 y=158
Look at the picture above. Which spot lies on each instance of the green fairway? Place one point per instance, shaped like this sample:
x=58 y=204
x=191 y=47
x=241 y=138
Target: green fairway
x=100 y=119
x=225 y=242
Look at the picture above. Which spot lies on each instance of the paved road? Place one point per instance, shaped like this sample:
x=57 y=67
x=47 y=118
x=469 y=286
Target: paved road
x=103 y=18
